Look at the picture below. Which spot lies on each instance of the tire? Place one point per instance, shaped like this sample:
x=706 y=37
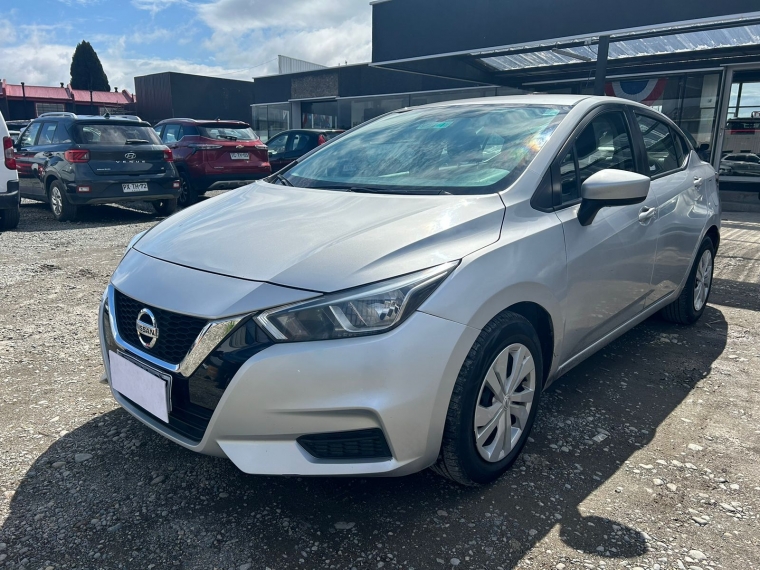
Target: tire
x=692 y=301
x=9 y=219
x=462 y=459
x=165 y=207
x=62 y=209
x=188 y=194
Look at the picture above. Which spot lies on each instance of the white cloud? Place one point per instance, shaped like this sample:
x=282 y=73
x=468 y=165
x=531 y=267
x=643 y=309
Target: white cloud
x=154 y=6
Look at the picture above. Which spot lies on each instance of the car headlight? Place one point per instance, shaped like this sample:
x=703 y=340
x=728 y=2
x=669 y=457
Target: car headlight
x=366 y=310
x=133 y=241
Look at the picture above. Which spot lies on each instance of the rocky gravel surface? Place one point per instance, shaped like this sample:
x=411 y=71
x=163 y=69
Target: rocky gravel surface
x=644 y=457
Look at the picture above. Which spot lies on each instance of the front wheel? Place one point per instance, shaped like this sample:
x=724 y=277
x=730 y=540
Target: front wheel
x=692 y=301
x=494 y=403
x=165 y=207
x=62 y=209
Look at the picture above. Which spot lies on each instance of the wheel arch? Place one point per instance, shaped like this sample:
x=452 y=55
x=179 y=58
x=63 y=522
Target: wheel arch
x=714 y=234
x=541 y=320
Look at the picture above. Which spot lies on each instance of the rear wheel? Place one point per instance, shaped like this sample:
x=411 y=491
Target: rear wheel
x=165 y=207
x=188 y=195
x=692 y=301
x=9 y=218
x=494 y=403
x=62 y=209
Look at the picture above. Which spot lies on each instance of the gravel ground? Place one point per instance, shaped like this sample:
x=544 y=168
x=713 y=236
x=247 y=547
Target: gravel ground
x=645 y=456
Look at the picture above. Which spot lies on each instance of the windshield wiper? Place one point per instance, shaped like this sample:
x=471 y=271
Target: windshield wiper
x=136 y=141
x=282 y=180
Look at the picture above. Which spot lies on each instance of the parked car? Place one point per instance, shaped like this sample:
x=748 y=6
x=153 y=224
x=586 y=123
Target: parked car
x=743 y=164
x=399 y=298
x=213 y=155
x=70 y=160
x=17 y=125
x=289 y=146
x=14 y=135
x=10 y=199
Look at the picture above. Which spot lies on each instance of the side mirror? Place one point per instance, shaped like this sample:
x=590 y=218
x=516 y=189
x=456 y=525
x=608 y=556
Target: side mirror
x=611 y=188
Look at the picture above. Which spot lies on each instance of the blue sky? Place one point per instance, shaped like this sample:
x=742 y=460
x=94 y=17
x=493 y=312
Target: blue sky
x=238 y=39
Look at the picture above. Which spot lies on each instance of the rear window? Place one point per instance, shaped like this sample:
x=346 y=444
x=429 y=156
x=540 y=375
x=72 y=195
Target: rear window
x=115 y=134
x=227 y=132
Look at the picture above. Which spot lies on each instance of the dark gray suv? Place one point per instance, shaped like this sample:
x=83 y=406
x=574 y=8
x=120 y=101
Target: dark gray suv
x=70 y=160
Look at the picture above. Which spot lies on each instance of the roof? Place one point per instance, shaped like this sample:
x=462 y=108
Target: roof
x=62 y=94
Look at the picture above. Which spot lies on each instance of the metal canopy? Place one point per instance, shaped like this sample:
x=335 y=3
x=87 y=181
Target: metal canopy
x=620 y=48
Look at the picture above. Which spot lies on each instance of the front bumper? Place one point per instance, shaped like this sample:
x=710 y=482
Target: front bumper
x=228 y=181
x=9 y=198
x=110 y=191
x=399 y=382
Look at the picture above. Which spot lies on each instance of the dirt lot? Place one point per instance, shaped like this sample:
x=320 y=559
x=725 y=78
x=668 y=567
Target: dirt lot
x=645 y=456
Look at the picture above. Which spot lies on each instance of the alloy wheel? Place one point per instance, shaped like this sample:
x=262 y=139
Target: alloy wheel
x=504 y=402
x=184 y=192
x=56 y=200
x=703 y=280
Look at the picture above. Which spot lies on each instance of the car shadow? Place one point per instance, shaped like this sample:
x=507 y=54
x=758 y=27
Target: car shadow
x=142 y=500
x=36 y=216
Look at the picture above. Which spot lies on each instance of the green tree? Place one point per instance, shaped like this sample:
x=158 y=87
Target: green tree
x=86 y=69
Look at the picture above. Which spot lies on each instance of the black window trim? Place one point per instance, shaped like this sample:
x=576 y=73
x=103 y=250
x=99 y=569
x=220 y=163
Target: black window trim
x=654 y=115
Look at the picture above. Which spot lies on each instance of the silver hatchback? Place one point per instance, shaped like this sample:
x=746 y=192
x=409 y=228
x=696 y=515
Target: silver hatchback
x=400 y=297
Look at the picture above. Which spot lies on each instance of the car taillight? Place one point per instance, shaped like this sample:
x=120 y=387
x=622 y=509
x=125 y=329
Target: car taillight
x=10 y=158
x=168 y=156
x=321 y=139
x=77 y=155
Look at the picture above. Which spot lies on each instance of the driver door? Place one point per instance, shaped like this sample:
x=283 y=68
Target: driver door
x=610 y=261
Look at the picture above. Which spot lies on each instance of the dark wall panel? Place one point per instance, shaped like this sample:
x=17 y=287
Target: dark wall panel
x=154 y=97
x=200 y=97
x=413 y=28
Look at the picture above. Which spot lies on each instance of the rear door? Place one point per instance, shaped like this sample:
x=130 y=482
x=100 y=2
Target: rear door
x=28 y=172
x=679 y=181
x=610 y=261
x=121 y=149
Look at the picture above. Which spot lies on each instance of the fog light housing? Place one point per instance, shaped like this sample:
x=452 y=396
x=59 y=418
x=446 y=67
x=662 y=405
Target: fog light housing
x=83 y=189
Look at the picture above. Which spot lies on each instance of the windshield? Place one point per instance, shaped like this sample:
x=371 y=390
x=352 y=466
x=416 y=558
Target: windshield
x=115 y=134
x=230 y=133
x=457 y=149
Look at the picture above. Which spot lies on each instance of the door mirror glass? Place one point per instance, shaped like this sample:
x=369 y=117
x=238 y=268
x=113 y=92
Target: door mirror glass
x=611 y=188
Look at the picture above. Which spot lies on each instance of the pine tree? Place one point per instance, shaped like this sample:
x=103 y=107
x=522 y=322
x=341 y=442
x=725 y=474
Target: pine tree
x=86 y=69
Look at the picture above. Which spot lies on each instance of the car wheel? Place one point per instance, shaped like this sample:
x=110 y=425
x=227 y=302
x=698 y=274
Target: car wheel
x=9 y=219
x=692 y=301
x=165 y=207
x=188 y=195
x=494 y=402
x=62 y=209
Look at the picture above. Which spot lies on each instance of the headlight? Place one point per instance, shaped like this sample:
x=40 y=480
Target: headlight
x=133 y=241
x=371 y=309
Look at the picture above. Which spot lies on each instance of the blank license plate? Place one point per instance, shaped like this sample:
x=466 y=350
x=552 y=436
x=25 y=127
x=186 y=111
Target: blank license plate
x=239 y=156
x=135 y=187
x=146 y=390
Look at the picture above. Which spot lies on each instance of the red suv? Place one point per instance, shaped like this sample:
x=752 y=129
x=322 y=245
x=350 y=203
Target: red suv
x=213 y=155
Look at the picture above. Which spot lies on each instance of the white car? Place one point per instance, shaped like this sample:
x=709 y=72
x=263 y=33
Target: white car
x=10 y=198
x=400 y=297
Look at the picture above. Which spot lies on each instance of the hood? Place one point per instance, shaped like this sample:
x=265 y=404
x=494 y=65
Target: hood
x=323 y=240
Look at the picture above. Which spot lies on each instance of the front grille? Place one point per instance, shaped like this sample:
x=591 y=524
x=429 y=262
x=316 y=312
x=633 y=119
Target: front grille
x=176 y=332
x=359 y=444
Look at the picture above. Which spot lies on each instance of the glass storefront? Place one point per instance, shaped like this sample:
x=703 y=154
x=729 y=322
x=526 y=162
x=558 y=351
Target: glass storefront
x=268 y=120
x=319 y=115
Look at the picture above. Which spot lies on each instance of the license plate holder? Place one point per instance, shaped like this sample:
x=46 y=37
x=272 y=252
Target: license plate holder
x=135 y=187
x=240 y=156
x=145 y=386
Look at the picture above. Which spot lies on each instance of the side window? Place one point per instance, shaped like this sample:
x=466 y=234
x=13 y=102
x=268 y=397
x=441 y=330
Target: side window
x=30 y=135
x=277 y=144
x=662 y=156
x=61 y=135
x=47 y=133
x=180 y=133
x=158 y=130
x=604 y=143
x=171 y=134
x=190 y=131
x=298 y=142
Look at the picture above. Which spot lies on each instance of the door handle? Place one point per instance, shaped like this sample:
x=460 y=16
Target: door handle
x=646 y=214
x=698 y=181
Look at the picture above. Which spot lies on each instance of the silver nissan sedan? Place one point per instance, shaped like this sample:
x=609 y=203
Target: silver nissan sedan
x=400 y=297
